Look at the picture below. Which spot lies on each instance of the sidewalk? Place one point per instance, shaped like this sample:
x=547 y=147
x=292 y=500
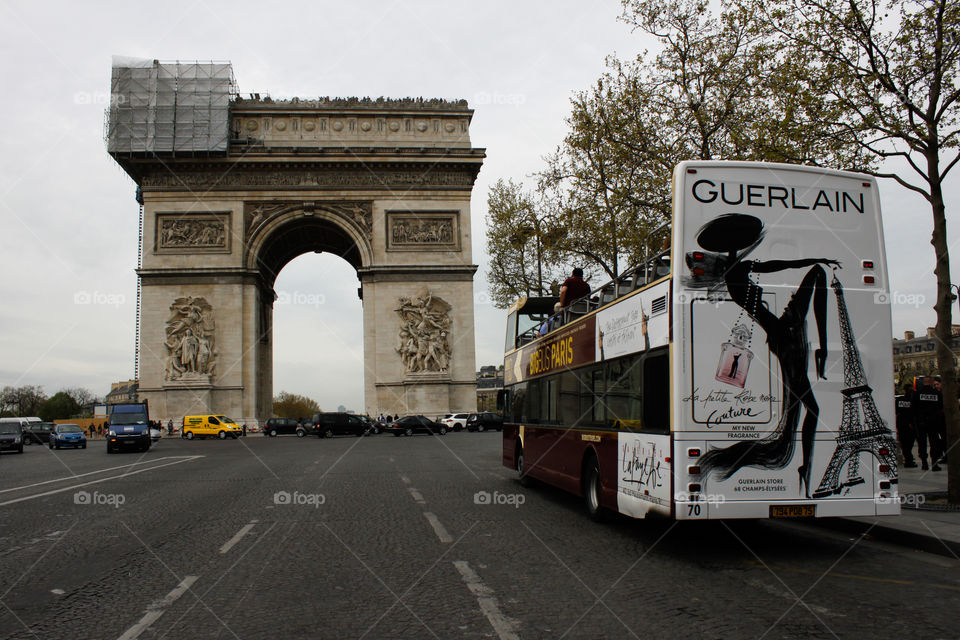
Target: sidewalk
x=925 y=522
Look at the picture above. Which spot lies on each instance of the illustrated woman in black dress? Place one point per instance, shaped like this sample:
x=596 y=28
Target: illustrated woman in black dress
x=737 y=235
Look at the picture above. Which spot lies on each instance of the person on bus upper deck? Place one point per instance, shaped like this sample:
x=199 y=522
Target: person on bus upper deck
x=573 y=288
x=906 y=429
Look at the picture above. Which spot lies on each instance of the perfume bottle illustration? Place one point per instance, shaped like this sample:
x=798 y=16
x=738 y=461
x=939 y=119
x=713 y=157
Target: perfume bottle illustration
x=735 y=356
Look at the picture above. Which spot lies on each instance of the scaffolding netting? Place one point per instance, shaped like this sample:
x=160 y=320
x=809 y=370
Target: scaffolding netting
x=169 y=107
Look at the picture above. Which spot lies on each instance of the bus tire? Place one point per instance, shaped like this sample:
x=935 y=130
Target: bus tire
x=522 y=477
x=591 y=490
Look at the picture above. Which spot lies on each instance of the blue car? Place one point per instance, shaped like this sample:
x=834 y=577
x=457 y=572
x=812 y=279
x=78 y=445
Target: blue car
x=67 y=435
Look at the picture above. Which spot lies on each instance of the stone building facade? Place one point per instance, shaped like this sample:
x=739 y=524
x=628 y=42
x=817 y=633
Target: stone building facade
x=917 y=356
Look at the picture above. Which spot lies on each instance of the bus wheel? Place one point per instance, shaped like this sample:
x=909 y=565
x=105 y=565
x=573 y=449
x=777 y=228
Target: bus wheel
x=522 y=477
x=591 y=490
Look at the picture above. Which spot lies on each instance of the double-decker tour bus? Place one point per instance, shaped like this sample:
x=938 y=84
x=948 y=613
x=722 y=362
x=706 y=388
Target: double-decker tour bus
x=744 y=371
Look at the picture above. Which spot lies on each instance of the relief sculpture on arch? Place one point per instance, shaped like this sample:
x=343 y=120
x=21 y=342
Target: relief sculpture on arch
x=190 y=341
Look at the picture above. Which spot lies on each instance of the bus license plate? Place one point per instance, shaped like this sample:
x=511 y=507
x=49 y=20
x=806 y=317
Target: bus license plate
x=793 y=510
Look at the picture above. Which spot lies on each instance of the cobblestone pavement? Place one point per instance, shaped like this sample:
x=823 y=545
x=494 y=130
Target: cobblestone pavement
x=420 y=537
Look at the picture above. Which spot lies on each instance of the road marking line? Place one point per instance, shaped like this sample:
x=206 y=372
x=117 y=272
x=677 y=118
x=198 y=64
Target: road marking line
x=417 y=496
x=84 y=484
x=405 y=479
x=90 y=473
x=504 y=627
x=157 y=609
x=437 y=527
x=244 y=530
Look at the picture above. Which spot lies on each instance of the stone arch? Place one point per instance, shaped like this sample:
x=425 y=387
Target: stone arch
x=295 y=230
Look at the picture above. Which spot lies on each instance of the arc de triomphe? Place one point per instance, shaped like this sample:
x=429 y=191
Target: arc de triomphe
x=233 y=189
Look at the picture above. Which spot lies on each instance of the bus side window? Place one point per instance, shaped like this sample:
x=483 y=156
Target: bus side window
x=624 y=397
x=656 y=388
x=519 y=400
x=532 y=407
x=503 y=402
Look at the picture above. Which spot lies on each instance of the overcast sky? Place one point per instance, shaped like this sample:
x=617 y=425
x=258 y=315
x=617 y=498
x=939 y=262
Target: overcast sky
x=68 y=218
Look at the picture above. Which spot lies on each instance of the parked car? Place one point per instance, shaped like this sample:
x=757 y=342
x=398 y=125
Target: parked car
x=455 y=421
x=327 y=425
x=67 y=435
x=279 y=426
x=155 y=434
x=37 y=432
x=11 y=437
x=485 y=421
x=409 y=425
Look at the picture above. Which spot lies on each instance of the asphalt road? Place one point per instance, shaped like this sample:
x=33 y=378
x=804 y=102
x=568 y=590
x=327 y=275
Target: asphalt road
x=419 y=537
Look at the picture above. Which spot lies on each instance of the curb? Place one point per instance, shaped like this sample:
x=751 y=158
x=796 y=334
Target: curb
x=919 y=541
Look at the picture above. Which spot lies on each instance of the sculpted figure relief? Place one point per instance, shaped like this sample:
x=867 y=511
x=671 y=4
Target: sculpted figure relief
x=423 y=339
x=413 y=231
x=191 y=351
x=192 y=233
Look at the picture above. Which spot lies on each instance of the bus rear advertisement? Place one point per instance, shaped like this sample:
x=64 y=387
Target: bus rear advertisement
x=743 y=372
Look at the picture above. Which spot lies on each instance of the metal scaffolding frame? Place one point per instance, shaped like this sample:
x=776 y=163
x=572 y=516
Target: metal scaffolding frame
x=169 y=107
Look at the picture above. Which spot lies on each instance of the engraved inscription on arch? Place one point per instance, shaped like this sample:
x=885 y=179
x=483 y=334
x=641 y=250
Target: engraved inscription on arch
x=190 y=232
x=420 y=231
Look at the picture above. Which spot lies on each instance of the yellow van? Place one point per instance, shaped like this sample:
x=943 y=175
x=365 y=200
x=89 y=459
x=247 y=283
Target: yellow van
x=202 y=426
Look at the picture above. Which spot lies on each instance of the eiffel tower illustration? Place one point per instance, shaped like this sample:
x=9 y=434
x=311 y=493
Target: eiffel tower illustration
x=861 y=427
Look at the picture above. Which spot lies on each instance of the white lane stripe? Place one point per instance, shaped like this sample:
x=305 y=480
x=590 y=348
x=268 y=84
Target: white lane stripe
x=437 y=527
x=84 y=484
x=504 y=627
x=91 y=473
x=417 y=496
x=157 y=609
x=244 y=530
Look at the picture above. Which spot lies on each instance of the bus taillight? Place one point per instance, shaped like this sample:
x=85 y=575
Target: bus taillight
x=693 y=470
x=693 y=487
x=884 y=468
x=693 y=453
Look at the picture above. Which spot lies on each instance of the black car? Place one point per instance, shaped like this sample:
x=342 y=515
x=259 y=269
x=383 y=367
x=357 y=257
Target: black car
x=277 y=426
x=11 y=437
x=485 y=421
x=37 y=432
x=327 y=425
x=415 y=424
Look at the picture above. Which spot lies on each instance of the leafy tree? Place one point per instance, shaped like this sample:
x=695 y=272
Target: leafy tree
x=888 y=72
x=59 y=406
x=521 y=240
x=291 y=405
x=22 y=401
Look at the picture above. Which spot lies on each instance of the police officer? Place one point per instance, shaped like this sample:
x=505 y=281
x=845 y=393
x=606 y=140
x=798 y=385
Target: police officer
x=906 y=430
x=928 y=413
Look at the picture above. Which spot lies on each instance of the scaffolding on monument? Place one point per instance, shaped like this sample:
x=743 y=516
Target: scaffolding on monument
x=169 y=107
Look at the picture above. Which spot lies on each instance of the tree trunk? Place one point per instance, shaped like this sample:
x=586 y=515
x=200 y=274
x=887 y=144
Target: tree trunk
x=944 y=333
